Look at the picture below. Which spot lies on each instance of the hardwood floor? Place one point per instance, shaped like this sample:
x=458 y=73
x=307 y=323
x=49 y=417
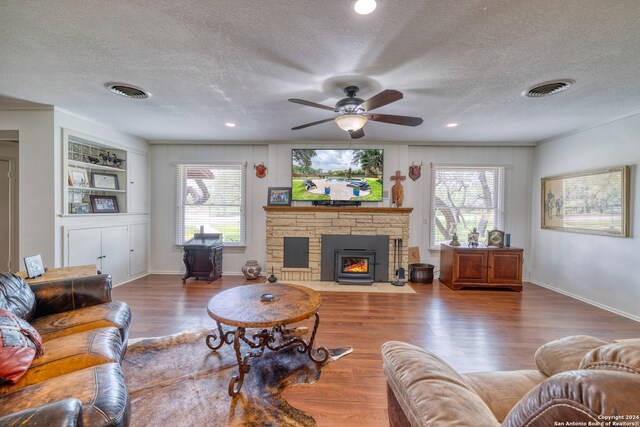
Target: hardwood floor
x=473 y=330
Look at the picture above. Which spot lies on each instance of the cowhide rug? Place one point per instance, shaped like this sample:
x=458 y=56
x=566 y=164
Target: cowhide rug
x=178 y=381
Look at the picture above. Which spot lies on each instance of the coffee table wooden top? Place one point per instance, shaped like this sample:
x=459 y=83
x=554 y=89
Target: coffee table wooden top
x=244 y=306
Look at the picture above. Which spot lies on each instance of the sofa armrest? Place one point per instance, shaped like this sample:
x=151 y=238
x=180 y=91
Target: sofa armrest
x=63 y=413
x=429 y=391
x=71 y=294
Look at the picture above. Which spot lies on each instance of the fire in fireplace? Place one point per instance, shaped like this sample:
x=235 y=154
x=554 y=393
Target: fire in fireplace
x=355 y=266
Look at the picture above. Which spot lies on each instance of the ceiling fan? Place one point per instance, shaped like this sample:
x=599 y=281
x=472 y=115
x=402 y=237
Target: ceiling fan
x=355 y=112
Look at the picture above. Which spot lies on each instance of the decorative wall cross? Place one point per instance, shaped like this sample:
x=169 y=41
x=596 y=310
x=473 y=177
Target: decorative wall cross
x=397 y=192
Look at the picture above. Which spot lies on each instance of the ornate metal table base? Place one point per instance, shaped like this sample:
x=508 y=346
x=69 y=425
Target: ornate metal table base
x=266 y=338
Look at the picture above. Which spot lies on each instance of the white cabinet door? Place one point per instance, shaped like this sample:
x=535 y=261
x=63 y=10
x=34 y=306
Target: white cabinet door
x=138 y=249
x=138 y=183
x=115 y=252
x=84 y=247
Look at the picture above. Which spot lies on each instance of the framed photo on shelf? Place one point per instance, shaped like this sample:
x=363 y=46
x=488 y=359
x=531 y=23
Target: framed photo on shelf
x=106 y=181
x=104 y=204
x=591 y=202
x=78 y=177
x=279 y=196
x=34 y=266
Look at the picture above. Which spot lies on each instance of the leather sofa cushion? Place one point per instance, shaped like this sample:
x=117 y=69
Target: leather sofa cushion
x=501 y=390
x=63 y=413
x=579 y=396
x=623 y=356
x=101 y=389
x=16 y=296
x=564 y=354
x=429 y=391
x=71 y=353
x=114 y=313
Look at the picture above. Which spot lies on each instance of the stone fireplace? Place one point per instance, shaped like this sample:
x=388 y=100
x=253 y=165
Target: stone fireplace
x=327 y=224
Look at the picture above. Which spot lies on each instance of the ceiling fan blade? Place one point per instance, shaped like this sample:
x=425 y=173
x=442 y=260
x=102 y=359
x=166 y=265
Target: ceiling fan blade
x=383 y=98
x=356 y=134
x=306 y=125
x=310 y=104
x=396 y=120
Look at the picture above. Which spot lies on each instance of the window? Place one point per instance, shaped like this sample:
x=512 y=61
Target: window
x=466 y=197
x=212 y=196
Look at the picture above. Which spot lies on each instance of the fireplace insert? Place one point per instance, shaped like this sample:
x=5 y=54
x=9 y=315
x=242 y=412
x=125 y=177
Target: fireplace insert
x=355 y=266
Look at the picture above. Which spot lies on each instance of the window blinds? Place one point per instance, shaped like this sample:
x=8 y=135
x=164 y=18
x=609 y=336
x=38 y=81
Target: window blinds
x=212 y=196
x=467 y=197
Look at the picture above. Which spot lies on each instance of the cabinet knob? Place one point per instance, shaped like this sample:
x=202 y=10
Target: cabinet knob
x=131 y=182
x=131 y=250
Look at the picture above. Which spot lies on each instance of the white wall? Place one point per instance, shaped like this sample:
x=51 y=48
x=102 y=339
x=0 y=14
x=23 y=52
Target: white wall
x=36 y=198
x=518 y=161
x=599 y=269
x=165 y=256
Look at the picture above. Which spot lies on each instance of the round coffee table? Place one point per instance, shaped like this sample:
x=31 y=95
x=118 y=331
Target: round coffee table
x=271 y=307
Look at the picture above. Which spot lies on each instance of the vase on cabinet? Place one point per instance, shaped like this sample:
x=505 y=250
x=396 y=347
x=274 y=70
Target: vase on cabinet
x=251 y=269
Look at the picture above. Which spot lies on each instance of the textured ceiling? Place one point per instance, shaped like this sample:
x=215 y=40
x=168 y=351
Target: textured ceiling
x=206 y=62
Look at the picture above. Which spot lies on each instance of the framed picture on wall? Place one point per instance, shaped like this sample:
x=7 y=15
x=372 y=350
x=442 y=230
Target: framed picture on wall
x=78 y=177
x=104 y=204
x=592 y=202
x=105 y=181
x=279 y=196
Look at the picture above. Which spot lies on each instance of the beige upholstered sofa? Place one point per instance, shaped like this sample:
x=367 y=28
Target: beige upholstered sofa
x=580 y=379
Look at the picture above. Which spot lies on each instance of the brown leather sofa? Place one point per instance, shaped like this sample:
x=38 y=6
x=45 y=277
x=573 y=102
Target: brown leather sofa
x=78 y=380
x=580 y=380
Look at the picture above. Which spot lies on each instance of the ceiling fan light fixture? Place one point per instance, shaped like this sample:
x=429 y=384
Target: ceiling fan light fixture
x=351 y=122
x=364 y=7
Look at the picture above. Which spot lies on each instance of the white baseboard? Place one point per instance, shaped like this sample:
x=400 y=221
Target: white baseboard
x=588 y=301
x=225 y=273
x=131 y=279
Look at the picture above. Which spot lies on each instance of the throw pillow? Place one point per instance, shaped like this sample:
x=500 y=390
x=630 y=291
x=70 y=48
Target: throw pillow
x=564 y=354
x=19 y=344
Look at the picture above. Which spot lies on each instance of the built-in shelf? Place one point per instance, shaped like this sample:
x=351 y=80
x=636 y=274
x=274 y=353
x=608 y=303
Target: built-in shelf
x=92 y=189
x=94 y=166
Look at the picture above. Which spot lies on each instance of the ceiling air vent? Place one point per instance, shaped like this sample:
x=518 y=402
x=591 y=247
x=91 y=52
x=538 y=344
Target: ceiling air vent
x=128 y=91
x=548 y=88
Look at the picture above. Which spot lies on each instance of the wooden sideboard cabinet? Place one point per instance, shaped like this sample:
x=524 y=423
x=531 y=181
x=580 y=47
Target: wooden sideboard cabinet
x=203 y=256
x=487 y=267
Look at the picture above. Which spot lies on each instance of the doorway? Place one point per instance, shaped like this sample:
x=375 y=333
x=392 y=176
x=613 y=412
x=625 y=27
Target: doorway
x=6 y=207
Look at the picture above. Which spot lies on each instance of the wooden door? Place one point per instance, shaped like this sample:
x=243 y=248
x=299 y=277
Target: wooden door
x=137 y=249
x=84 y=247
x=470 y=266
x=138 y=183
x=6 y=205
x=505 y=267
x=115 y=252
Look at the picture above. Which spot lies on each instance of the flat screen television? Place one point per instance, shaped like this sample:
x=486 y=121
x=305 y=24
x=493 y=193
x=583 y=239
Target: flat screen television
x=340 y=175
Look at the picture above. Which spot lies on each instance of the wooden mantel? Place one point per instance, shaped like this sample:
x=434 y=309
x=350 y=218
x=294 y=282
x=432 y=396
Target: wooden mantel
x=314 y=221
x=351 y=209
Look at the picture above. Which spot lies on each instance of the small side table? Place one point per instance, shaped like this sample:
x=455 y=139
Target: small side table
x=270 y=307
x=61 y=273
x=203 y=256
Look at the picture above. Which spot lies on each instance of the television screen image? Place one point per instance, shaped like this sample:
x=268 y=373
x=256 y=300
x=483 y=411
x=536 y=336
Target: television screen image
x=345 y=174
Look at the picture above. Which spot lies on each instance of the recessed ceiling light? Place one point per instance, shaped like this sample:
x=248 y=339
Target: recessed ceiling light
x=230 y=125
x=452 y=125
x=364 y=7
x=127 y=90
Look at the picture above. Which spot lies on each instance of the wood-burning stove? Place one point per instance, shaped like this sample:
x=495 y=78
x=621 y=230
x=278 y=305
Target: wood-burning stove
x=355 y=266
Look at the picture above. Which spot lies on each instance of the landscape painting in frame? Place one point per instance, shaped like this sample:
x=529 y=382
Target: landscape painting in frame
x=593 y=202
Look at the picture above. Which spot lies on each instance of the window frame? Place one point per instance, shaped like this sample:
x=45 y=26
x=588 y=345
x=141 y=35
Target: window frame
x=181 y=192
x=502 y=203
